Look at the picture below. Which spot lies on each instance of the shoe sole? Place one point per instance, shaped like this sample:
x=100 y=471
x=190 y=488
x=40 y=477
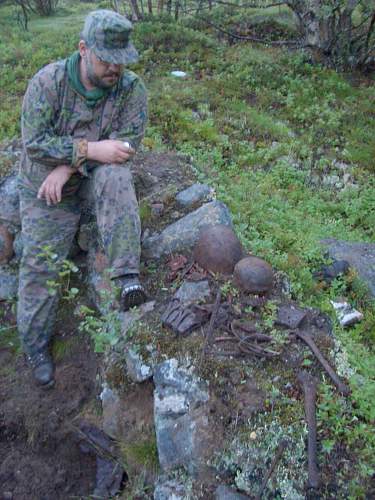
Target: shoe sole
x=133 y=299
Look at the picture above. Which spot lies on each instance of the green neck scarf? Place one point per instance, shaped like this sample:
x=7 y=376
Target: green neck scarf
x=92 y=97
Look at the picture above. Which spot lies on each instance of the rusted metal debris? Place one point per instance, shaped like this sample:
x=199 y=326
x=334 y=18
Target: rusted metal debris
x=247 y=340
x=343 y=388
x=279 y=453
x=309 y=385
x=183 y=319
x=211 y=326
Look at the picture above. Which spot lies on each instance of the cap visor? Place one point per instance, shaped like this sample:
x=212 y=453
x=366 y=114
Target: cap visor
x=118 y=56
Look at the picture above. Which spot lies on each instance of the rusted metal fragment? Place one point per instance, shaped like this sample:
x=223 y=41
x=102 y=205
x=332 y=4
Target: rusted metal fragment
x=290 y=316
x=309 y=385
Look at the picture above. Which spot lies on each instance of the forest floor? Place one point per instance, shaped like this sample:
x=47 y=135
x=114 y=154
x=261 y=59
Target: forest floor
x=289 y=147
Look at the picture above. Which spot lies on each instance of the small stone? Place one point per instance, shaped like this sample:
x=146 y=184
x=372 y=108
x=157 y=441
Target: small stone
x=346 y=314
x=194 y=194
x=253 y=275
x=253 y=435
x=218 y=249
x=193 y=292
x=157 y=209
x=179 y=74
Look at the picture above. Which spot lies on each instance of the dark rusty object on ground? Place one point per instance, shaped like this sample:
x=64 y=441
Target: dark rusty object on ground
x=248 y=344
x=309 y=385
x=343 y=388
x=218 y=249
x=183 y=319
x=212 y=323
x=279 y=453
x=6 y=245
x=253 y=275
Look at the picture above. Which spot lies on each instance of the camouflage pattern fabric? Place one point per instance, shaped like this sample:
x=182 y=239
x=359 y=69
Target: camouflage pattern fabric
x=107 y=34
x=51 y=230
x=54 y=118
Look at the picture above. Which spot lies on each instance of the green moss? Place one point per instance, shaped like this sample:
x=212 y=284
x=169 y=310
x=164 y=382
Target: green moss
x=142 y=454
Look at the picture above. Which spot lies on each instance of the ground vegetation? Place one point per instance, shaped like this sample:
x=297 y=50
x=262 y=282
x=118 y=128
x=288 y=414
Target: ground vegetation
x=288 y=145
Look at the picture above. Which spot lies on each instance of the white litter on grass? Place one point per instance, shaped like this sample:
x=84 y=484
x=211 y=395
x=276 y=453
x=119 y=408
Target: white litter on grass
x=346 y=314
x=179 y=74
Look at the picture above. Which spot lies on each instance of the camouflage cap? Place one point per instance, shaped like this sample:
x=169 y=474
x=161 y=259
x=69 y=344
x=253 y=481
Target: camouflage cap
x=107 y=34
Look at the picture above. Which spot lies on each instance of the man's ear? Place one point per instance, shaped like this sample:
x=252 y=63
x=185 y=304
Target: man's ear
x=82 y=48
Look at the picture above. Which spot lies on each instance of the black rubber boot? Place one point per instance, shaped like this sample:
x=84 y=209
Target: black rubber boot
x=43 y=369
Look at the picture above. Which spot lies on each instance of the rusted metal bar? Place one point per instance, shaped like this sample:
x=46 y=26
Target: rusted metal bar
x=309 y=385
x=279 y=452
x=343 y=388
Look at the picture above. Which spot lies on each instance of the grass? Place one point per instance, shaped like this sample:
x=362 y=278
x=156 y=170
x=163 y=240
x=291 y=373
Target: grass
x=266 y=128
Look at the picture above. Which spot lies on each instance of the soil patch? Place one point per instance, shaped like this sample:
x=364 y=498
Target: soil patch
x=39 y=453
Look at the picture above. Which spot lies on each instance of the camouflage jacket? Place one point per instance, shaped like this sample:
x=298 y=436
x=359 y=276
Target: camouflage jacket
x=55 y=119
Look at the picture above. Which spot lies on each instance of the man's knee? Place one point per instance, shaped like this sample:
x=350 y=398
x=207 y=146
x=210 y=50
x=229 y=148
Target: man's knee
x=111 y=179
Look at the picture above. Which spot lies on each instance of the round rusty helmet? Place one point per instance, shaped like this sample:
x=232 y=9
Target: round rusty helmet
x=6 y=245
x=218 y=249
x=253 y=275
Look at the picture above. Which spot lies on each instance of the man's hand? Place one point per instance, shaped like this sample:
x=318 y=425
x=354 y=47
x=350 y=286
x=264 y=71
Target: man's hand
x=53 y=184
x=109 y=151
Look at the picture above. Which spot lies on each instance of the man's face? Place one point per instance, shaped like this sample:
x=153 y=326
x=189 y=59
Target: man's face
x=100 y=73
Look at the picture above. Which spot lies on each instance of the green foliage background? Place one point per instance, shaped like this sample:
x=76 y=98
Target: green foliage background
x=266 y=128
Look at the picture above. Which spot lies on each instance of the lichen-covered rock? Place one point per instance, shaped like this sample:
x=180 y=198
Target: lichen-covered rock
x=193 y=195
x=181 y=418
x=183 y=234
x=8 y=283
x=112 y=411
x=137 y=369
x=218 y=249
x=193 y=292
x=361 y=256
x=170 y=490
x=226 y=493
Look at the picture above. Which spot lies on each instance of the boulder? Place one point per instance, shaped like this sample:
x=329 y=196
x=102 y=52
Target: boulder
x=182 y=235
x=361 y=256
x=181 y=418
x=193 y=195
x=218 y=249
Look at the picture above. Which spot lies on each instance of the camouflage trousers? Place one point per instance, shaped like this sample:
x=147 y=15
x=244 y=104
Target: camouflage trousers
x=50 y=230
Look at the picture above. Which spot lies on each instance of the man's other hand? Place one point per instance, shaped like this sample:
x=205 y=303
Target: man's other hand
x=109 y=151
x=53 y=184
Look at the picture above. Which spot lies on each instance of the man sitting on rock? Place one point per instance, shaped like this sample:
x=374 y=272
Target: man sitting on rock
x=82 y=120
